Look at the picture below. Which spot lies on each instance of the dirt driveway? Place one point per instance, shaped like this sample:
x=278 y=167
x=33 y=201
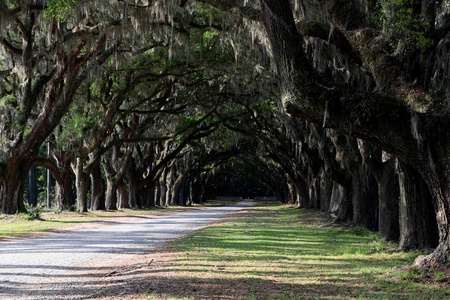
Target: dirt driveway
x=71 y=265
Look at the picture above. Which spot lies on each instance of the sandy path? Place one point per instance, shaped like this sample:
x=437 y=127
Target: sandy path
x=57 y=266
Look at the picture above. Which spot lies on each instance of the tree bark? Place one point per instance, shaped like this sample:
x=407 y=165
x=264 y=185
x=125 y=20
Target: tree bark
x=364 y=198
x=170 y=179
x=49 y=179
x=301 y=193
x=133 y=196
x=150 y=199
x=389 y=199
x=418 y=228
x=421 y=140
x=82 y=186
x=98 y=189
x=335 y=199
x=344 y=212
x=32 y=189
x=163 y=189
x=111 y=194
x=157 y=195
x=63 y=190
x=12 y=185
x=326 y=185
x=122 y=195
x=177 y=187
x=292 y=193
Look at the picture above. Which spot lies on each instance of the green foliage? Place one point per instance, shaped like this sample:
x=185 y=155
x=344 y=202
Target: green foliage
x=192 y=121
x=8 y=101
x=12 y=114
x=78 y=123
x=205 y=40
x=59 y=9
x=359 y=231
x=399 y=17
x=411 y=274
x=440 y=276
x=268 y=106
x=33 y=213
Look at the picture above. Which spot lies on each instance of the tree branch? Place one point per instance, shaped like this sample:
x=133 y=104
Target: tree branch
x=333 y=35
x=370 y=116
x=9 y=47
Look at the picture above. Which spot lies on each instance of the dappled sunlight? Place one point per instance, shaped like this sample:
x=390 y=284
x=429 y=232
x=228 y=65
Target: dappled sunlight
x=241 y=259
x=253 y=256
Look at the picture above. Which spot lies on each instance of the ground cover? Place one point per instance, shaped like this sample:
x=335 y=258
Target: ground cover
x=278 y=252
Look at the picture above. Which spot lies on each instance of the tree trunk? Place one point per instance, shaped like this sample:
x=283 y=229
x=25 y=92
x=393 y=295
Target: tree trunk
x=122 y=195
x=203 y=194
x=382 y=167
x=157 y=195
x=182 y=198
x=418 y=228
x=441 y=255
x=163 y=189
x=292 y=193
x=170 y=178
x=326 y=185
x=178 y=187
x=301 y=193
x=49 y=180
x=389 y=198
x=364 y=198
x=314 y=193
x=111 y=194
x=335 y=200
x=133 y=190
x=382 y=119
x=12 y=185
x=82 y=186
x=32 y=190
x=344 y=212
x=193 y=192
x=150 y=199
x=98 y=189
x=63 y=190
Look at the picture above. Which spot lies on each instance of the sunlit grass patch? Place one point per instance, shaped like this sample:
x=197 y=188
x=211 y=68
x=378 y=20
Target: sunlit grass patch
x=270 y=253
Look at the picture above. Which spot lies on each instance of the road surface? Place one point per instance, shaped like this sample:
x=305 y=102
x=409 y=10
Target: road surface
x=56 y=266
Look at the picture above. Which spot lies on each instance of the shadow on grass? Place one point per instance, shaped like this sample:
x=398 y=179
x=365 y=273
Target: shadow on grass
x=301 y=260
x=269 y=253
x=167 y=283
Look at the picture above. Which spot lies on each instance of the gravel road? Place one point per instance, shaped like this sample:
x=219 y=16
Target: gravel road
x=52 y=266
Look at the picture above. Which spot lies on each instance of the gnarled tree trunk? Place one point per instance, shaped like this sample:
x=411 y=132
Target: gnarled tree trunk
x=122 y=195
x=418 y=228
x=385 y=120
x=98 y=189
x=12 y=184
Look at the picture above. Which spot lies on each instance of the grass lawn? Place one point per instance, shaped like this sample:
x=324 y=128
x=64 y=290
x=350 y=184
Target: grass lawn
x=277 y=252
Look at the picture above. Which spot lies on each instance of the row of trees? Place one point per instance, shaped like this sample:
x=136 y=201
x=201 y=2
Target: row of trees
x=121 y=93
x=160 y=102
x=399 y=46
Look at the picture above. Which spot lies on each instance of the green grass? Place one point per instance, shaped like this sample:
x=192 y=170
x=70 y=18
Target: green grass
x=275 y=252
